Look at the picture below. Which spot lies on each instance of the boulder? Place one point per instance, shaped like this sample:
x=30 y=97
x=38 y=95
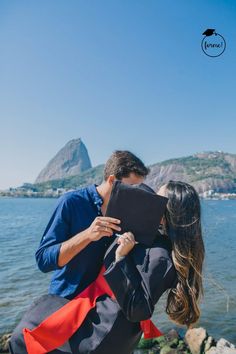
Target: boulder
x=195 y=338
x=4 y=339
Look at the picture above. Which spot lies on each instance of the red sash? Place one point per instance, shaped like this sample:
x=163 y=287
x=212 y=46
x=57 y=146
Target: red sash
x=57 y=328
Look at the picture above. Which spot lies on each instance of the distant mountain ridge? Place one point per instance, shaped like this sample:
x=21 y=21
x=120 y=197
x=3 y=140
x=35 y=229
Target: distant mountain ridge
x=212 y=170
x=71 y=160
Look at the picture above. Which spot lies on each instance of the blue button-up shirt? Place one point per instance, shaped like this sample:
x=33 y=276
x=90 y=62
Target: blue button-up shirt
x=74 y=212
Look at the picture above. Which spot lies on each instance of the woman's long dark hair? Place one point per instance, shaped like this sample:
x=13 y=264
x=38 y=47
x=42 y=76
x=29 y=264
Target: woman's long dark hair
x=183 y=227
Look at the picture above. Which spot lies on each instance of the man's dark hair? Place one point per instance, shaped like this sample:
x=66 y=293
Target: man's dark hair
x=122 y=163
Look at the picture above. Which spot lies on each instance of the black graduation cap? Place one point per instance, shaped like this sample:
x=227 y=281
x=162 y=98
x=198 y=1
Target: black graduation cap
x=209 y=32
x=139 y=209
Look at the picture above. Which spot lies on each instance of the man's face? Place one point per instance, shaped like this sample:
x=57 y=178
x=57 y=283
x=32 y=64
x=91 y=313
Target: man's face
x=132 y=179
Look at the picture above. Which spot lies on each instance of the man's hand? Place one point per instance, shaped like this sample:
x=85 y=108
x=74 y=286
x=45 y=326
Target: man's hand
x=126 y=244
x=102 y=226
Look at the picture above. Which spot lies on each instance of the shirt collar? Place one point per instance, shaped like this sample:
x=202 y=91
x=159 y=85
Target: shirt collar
x=97 y=199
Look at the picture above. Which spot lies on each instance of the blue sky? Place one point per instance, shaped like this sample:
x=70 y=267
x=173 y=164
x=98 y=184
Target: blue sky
x=121 y=74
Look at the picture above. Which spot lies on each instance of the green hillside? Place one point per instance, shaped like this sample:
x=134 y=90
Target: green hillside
x=93 y=175
x=205 y=171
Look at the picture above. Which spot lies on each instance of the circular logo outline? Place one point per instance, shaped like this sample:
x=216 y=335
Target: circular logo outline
x=213 y=56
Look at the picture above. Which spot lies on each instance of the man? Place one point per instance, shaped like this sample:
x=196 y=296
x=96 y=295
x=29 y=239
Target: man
x=77 y=235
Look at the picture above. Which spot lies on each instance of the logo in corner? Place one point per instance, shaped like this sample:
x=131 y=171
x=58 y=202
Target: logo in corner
x=213 y=43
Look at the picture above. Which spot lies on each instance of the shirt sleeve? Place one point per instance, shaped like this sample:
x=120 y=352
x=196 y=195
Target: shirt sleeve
x=57 y=231
x=135 y=294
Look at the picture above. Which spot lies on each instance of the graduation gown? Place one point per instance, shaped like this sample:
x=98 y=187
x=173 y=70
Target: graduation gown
x=137 y=281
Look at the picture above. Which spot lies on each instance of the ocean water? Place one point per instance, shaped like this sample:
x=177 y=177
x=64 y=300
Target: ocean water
x=22 y=222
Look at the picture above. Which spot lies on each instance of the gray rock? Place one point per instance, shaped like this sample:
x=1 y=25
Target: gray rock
x=172 y=334
x=168 y=350
x=195 y=338
x=224 y=350
x=71 y=160
x=4 y=339
x=223 y=343
x=210 y=342
x=212 y=350
x=225 y=347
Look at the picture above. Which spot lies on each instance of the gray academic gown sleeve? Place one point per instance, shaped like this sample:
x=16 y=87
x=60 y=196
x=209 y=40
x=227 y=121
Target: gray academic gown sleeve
x=139 y=279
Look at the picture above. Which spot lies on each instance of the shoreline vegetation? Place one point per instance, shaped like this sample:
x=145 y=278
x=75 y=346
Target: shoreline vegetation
x=195 y=341
x=211 y=173
x=24 y=192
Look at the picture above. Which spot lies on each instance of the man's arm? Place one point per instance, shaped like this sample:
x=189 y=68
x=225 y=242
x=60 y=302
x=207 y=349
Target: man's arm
x=57 y=246
x=70 y=248
x=101 y=226
x=56 y=232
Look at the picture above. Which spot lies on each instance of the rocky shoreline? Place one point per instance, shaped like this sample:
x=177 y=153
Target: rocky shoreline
x=195 y=341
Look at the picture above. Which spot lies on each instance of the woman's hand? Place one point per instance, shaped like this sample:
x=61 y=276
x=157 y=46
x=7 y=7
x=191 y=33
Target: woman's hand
x=126 y=244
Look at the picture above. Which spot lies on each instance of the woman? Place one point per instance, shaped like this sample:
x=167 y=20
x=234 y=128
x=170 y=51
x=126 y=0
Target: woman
x=182 y=225
x=138 y=274
x=178 y=244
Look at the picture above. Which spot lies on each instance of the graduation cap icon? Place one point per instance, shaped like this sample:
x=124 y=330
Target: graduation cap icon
x=139 y=208
x=209 y=32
